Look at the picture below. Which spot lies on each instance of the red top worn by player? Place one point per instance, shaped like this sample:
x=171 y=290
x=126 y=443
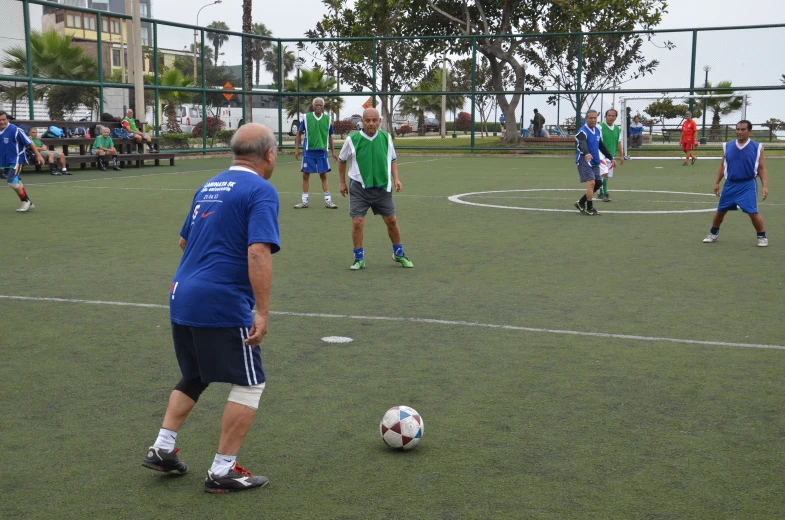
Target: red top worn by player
x=689 y=131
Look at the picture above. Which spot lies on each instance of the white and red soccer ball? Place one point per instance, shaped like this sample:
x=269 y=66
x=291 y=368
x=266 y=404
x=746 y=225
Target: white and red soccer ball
x=402 y=427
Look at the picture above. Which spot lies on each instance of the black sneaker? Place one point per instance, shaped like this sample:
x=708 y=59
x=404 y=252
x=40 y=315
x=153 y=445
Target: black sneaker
x=582 y=209
x=3 y=175
x=159 y=460
x=238 y=479
x=606 y=198
x=117 y=168
x=102 y=168
x=592 y=212
x=693 y=160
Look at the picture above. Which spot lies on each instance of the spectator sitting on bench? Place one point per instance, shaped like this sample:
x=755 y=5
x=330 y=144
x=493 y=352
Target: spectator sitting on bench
x=129 y=124
x=50 y=156
x=104 y=146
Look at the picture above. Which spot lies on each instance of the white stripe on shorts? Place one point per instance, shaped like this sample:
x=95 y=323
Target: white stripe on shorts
x=250 y=359
x=245 y=358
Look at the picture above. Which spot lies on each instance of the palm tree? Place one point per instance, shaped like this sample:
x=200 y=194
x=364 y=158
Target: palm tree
x=248 y=46
x=53 y=56
x=173 y=98
x=217 y=39
x=258 y=47
x=312 y=80
x=720 y=106
x=420 y=103
x=270 y=60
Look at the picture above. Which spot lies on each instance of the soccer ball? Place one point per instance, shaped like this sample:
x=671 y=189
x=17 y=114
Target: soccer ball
x=402 y=427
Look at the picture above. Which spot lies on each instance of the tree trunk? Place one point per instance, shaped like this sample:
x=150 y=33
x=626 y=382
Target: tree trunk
x=248 y=80
x=172 y=124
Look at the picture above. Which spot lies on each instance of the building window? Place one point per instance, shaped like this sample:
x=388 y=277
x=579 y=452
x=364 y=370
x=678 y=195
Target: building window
x=78 y=21
x=116 y=27
x=144 y=9
x=104 y=25
x=115 y=57
x=145 y=36
x=59 y=18
x=69 y=20
x=89 y=22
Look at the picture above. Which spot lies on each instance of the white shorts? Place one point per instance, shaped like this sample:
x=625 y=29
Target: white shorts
x=606 y=168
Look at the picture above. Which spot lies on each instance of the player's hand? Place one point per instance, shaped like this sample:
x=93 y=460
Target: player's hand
x=621 y=160
x=335 y=156
x=297 y=155
x=344 y=189
x=588 y=157
x=717 y=190
x=398 y=186
x=613 y=163
x=765 y=193
x=39 y=159
x=258 y=330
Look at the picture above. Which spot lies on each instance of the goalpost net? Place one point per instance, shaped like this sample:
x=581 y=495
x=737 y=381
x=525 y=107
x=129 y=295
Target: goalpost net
x=667 y=131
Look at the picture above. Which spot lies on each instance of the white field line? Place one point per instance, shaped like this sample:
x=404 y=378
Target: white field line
x=430 y=321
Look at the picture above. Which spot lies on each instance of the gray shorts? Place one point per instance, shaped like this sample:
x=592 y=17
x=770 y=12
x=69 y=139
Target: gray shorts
x=45 y=154
x=377 y=199
x=587 y=172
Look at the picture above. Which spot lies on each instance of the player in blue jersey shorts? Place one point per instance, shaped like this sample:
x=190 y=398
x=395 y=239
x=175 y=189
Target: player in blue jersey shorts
x=742 y=162
x=589 y=145
x=228 y=238
x=13 y=142
x=318 y=134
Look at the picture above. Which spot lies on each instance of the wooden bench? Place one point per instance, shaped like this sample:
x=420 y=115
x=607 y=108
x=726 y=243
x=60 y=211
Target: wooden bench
x=550 y=142
x=128 y=150
x=668 y=133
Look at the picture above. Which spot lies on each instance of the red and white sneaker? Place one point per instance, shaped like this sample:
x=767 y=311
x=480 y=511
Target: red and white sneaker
x=238 y=479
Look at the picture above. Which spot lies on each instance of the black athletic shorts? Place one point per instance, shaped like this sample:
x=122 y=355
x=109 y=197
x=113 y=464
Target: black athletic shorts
x=217 y=355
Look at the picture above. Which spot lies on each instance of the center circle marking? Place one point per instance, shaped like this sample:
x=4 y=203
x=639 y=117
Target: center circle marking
x=459 y=199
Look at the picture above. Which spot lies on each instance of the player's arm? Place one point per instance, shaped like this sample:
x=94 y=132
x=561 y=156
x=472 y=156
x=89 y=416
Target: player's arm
x=720 y=174
x=583 y=147
x=297 y=138
x=343 y=157
x=183 y=243
x=762 y=174
x=620 y=149
x=396 y=180
x=605 y=151
x=332 y=147
x=260 y=273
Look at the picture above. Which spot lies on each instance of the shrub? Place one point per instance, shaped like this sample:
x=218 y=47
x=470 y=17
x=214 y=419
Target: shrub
x=175 y=141
x=212 y=127
x=343 y=128
x=403 y=130
x=464 y=121
x=224 y=136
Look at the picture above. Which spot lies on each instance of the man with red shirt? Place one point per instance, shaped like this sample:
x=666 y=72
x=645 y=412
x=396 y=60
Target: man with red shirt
x=689 y=131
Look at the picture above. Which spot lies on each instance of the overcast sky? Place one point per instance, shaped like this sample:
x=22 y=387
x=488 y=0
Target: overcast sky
x=291 y=18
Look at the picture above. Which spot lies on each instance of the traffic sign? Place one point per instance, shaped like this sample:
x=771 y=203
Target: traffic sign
x=228 y=86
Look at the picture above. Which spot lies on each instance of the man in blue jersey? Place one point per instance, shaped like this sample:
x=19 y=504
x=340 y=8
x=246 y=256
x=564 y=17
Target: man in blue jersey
x=318 y=132
x=587 y=156
x=13 y=142
x=228 y=237
x=742 y=161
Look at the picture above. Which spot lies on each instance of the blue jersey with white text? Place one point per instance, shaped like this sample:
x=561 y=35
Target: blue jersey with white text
x=211 y=287
x=741 y=163
x=13 y=142
x=593 y=138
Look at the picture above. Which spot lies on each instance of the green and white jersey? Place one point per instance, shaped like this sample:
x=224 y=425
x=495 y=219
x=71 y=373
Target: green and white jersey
x=610 y=137
x=317 y=130
x=369 y=159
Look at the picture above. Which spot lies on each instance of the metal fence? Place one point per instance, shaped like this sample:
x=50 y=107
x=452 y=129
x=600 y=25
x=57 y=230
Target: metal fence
x=191 y=71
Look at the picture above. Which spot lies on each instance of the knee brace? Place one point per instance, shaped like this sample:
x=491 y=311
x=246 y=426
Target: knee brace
x=597 y=184
x=246 y=395
x=192 y=388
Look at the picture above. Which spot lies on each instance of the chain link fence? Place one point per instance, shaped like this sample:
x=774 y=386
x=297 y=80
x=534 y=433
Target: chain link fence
x=434 y=93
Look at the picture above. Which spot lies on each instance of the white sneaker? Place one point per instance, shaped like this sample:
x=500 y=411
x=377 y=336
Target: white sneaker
x=763 y=242
x=26 y=206
x=301 y=205
x=330 y=204
x=711 y=238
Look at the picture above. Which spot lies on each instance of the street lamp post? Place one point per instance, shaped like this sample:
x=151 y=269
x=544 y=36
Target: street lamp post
x=454 y=104
x=706 y=69
x=196 y=31
x=298 y=63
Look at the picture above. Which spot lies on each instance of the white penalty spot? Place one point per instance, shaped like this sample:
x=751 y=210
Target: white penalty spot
x=337 y=339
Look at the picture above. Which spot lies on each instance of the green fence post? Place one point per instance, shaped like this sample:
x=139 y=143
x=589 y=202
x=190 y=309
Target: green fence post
x=204 y=99
x=578 y=84
x=28 y=59
x=373 y=67
x=692 y=68
x=279 y=80
x=242 y=74
x=474 y=86
x=100 y=64
x=156 y=115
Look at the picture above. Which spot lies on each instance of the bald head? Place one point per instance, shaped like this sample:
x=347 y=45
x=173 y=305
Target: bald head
x=370 y=112
x=371 y=121
x=254 y=146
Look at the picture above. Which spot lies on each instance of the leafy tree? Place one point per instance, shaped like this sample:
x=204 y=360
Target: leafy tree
x=483 y=101
x=270 y=59
x=217 y=39
x=664 y=109
x=606 y=59
x=720 y=106
x=399 y=63
x=774 y=124
x=312 y=80
x=54 y=56
x=422 y=102
x=258 y=47
x=464 y=121
x=171 y=99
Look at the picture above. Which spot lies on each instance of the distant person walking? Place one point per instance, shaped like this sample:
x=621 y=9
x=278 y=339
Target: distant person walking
x=611 y=138
x=587 y=157
x=538 y=123
x=689 y=133
x=742 y=162
x=13 y=142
